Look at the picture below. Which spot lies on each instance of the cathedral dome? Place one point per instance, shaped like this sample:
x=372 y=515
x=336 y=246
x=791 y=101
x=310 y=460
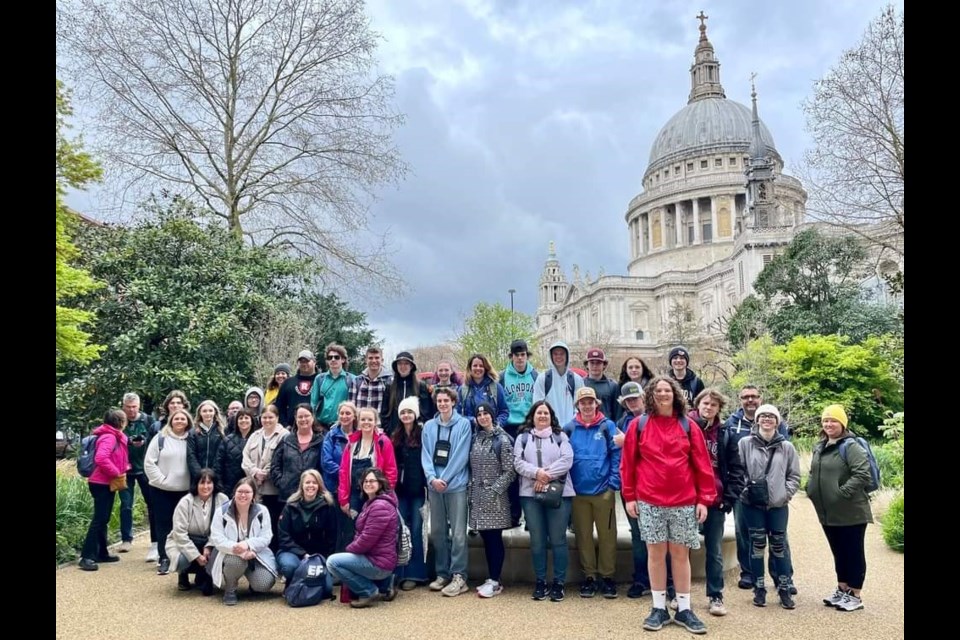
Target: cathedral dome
x=707 y=125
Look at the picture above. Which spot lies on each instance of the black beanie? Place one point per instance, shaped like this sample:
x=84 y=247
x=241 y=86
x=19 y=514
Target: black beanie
x=679 y=351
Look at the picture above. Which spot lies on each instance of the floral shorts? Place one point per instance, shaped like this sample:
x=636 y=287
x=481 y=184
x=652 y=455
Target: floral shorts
x=669 y=524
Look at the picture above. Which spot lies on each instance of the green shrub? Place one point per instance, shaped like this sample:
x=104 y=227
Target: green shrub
x=75 y=509
x=893 y=524
x=804 y=444
x=890 y=459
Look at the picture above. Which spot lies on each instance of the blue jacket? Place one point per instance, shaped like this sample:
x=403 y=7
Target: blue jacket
x=596 y=459
x=518 y=391
x=456 y=472
x=471 y=394
x=331 y=453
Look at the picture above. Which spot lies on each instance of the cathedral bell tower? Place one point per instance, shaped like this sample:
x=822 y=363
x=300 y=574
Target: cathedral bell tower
x=761 y=202
x=553 y=288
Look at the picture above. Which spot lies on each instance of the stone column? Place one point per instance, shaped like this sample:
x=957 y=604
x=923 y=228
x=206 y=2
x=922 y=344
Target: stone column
x=696 y=221
x=677 y=216
x=633 y=240
x=713 y=219
x=650 y=231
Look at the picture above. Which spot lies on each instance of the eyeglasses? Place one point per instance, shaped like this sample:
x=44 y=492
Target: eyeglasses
x=371 y=481
x=333 y=356
x=766 y=416
x=749 y=397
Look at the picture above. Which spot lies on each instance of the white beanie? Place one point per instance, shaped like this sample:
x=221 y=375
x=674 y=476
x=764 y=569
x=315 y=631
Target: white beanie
x=412 y=403
x=769 y=408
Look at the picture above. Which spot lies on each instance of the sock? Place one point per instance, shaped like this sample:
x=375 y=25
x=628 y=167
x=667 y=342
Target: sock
x=683 y=601
x=659 y=599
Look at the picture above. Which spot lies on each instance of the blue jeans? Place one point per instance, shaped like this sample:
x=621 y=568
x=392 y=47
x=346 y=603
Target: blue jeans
x=641 y=571
x=287 y=563
x=546 y=523
x=769 y=524
x=713 y=541
x=361 y=576
x=416 y=570
x=448 y=532
x=743 y=548
x=126 y=507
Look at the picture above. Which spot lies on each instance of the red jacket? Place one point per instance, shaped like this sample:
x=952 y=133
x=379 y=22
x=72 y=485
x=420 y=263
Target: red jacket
x=384 y=459
x=111 y=457
x=666 y=468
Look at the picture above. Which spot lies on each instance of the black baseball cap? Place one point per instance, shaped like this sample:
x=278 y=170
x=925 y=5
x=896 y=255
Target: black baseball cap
x=519 y=346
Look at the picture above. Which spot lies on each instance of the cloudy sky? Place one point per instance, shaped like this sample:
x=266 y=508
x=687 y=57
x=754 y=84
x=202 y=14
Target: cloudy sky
x=529 y=121
x=532 y=121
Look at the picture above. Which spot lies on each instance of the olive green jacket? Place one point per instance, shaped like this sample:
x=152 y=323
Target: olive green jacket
x=838 y=488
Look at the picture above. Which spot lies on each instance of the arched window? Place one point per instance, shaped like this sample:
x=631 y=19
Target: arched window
x=639 y=334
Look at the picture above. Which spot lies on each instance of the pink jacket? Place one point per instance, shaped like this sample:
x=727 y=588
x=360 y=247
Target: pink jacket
x=377 y=529
x=383 y=458
x=111 y=457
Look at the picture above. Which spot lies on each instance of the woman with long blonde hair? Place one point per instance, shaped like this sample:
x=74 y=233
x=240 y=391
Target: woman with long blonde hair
x=308 y=524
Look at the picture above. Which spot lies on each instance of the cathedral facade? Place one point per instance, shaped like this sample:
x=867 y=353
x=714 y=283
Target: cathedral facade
x=715 y=207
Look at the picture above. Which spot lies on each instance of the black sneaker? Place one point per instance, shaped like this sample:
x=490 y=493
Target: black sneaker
x=588 y=588
x=792 y=588
x=786 y=600
x=540 y=590
x=183 y=581
x=86 y=564
x=164 y=567
x=759 y=597
x=656 y=619
x=689 y=621
x=746 y=582
x=108 y=558
x=637 y=590
x=557 y=591
x=608 y=588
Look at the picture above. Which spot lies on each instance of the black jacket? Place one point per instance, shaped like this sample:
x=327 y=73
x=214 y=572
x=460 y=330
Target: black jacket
x=691 y=384
x=731 y=472
x=229 y=459
x=411 y=480
x=302 y=532
x=294 y=391
x=399 y=390
x=289 y=462
x=202 y=450
x=607 y=393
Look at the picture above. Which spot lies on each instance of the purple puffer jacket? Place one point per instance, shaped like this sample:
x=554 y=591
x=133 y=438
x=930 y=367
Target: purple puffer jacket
x=111 y=457
x=377 y=532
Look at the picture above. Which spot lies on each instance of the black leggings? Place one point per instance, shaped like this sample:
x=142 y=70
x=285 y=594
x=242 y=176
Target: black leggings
x=165 y=503
x=849 y=558
x=494 y=551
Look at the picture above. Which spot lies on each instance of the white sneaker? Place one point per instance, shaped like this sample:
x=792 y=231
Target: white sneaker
x=489 y=589
x=836 y=598
x=716 y=607
x=439 y=583
x=125 y=546
x=154 y=554
x=457 y=586
x=850 y=602
x=479 y=586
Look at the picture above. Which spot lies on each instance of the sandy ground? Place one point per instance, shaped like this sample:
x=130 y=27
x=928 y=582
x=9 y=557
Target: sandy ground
x=127 y=600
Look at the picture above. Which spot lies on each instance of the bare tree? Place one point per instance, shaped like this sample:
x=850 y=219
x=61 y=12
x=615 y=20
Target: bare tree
x=854 y=172
x=681 y=325
x=271 y=112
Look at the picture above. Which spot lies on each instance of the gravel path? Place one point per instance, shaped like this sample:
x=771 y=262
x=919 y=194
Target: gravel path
x=127 y=600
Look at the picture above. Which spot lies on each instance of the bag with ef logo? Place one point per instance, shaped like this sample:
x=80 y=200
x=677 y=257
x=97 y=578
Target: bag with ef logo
x=311 y=583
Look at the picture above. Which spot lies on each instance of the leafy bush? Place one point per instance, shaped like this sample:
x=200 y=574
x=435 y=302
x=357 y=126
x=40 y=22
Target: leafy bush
x=893 y=524
x=75 y=509
x=890 y=458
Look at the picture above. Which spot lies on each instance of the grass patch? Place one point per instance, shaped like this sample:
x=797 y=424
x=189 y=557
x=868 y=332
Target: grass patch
x=75 y=509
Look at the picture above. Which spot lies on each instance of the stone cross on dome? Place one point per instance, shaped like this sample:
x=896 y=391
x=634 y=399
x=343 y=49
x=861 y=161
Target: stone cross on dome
x=703 y=24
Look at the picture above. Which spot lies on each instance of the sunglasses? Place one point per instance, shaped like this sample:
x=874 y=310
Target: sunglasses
x=333 y=356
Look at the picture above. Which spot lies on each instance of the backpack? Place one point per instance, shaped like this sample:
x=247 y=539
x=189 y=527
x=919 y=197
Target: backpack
x=88 y=451
x=684 y=424
x=874 y=483
x=311 y=583
x=548 y=382
x=525 y=438
x=404 y=542
x=497 y=442
x=463 y=394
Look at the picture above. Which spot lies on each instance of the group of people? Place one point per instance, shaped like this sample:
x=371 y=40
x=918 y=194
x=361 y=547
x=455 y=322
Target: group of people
x=328 y=463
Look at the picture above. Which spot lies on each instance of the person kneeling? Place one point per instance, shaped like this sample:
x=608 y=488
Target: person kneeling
x=241 y=534
x=366 y=569
x=188 y=545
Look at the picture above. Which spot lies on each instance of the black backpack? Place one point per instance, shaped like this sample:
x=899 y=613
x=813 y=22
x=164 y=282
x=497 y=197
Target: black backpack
x=311 y=583
x=548 y=382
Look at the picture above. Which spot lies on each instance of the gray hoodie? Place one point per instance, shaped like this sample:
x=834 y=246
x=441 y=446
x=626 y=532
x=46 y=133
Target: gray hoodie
x=783 y=480
x=561 y=396
x=259 y=392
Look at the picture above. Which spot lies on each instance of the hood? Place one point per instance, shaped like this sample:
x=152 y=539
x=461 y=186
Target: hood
x=105 y=428
x=695 y=415
x=562 y=345
x=256 y=390
x=390 y=497
x=597 y=419
x=777 y=437
x=383 y=373
x=689 y=375
x=336 y=432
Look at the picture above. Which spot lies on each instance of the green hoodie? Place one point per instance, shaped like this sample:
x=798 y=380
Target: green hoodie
x=139 y=427
x=837 y=488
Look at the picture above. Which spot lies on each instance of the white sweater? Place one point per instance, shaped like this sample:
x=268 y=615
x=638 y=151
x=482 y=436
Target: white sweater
x=167 y=469
x=258 y=454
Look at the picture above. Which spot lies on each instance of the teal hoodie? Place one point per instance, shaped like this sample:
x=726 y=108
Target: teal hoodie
x=518 y=391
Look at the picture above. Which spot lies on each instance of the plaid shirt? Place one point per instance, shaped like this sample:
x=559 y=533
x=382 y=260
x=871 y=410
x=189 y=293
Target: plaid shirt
x=370 y=393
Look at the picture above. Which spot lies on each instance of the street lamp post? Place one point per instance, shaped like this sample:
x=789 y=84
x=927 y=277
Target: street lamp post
x=512 y=329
